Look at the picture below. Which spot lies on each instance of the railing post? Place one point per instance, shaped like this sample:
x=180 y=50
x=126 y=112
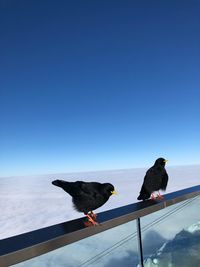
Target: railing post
x=139 y=238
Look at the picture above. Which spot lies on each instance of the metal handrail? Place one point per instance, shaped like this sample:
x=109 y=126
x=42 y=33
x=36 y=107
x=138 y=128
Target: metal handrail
x=32 y=244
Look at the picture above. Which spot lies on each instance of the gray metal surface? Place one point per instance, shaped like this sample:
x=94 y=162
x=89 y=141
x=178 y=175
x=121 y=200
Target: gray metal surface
x=139 y=238
x=25 y=246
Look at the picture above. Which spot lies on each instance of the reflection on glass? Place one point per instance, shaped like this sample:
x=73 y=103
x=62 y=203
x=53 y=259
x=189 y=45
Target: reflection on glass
x=171 y=237
x=115 y=247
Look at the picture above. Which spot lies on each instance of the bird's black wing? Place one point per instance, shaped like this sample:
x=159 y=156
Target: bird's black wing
x=90 y=189
x=144 y=194
x=146 y=188
x=89 y=197
x=151 y=180
x=164 y=181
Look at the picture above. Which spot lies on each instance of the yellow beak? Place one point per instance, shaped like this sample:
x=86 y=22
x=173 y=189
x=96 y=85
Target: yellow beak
x=114 y=192
x=165 y=160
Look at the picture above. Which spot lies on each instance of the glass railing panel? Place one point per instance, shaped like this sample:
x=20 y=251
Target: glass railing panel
x=114 y=247
x=171 y=237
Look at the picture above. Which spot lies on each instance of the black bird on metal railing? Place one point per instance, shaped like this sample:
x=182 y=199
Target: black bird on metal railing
x=87 y=196
x=156 y=179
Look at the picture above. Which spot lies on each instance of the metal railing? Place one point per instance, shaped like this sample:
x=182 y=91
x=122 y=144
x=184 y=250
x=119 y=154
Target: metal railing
x=22 y=247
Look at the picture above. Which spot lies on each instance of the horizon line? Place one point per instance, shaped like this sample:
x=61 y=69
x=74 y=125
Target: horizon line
x=91 y=171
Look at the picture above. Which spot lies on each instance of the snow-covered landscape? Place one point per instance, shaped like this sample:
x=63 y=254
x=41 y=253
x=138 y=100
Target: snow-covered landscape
x=30 y=203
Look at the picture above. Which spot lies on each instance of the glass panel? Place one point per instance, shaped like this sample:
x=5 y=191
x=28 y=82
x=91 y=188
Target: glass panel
x=115 y=247
x=171 y=237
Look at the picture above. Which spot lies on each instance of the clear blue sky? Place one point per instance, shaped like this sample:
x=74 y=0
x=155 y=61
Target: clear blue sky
x=90 y=85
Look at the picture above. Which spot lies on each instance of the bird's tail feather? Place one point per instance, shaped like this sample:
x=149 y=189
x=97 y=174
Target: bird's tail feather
x=66 y=186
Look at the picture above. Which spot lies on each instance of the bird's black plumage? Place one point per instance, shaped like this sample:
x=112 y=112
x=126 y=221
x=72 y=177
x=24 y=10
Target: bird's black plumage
x=156 y=178
x=86 y=196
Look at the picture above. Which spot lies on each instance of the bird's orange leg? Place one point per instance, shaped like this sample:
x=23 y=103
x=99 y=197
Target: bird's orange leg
x=90 y=221
x=152 y=196
x=94 y=216
x=159 y=195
